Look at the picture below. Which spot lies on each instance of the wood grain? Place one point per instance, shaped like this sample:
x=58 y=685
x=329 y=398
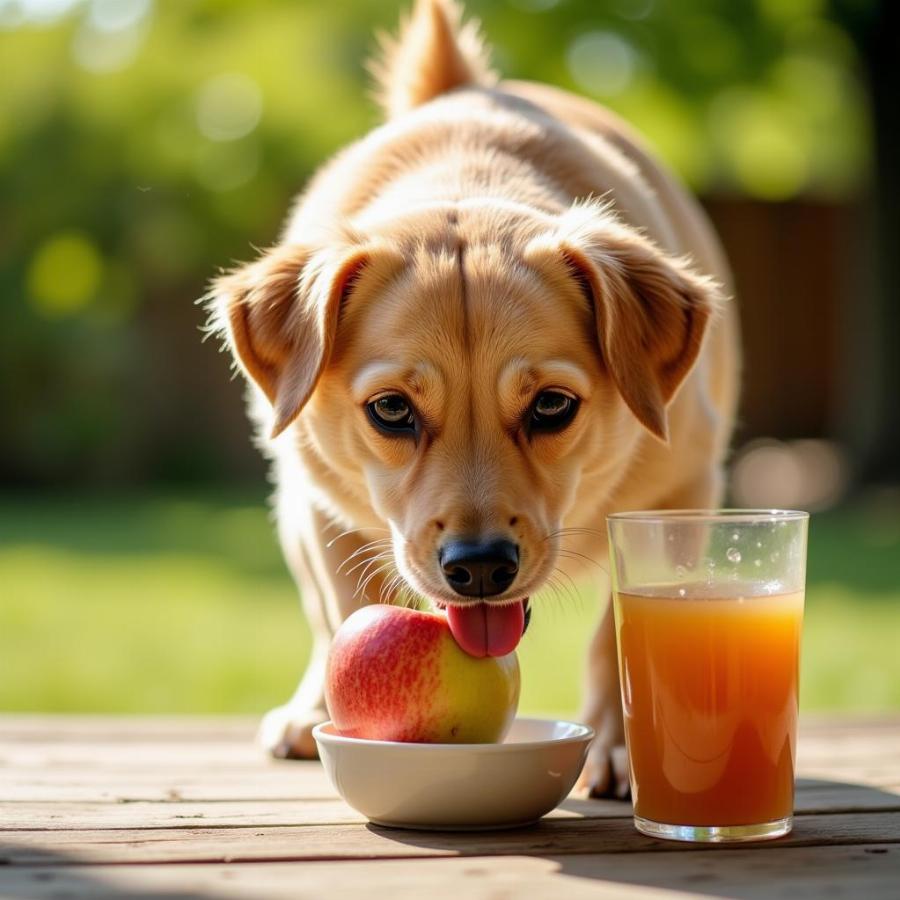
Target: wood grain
x=198 y=782
x=104 y=806
x=808 y=873
x=259 y=844
x=812 y=797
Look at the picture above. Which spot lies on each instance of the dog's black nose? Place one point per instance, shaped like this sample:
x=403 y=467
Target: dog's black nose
x=480 y=568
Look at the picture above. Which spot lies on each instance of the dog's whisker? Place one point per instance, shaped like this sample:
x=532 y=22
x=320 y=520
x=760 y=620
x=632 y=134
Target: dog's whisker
x=363 y=585
x=373 y=566
x=397 y=595
x=381 y=554
x=386 y=594
x=574 y=554
x=364 y=563
x=386 y=540
x=402 y=592
x=558 y=600
x=550 y=585
x=349 y=559
x=583 y=529
x=381 y=542
x=386 y=587
x=560 y=593
x=337 y=537
x=563 y=532
x=570 y=588
x=571 y=581
x=410 y=597
x=563 y=597
x=377 y=564
x=350 y=531
x=382 y=572
x=379 y=557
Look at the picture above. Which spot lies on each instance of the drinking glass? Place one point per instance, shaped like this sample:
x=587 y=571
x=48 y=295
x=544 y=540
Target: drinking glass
x=708 y=609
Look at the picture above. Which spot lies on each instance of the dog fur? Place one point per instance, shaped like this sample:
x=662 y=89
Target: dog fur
x=490 y=240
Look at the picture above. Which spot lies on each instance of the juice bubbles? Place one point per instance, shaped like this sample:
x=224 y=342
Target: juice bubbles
x=709 y=691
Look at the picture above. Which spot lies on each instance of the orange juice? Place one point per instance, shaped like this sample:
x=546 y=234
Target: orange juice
x=709 y=691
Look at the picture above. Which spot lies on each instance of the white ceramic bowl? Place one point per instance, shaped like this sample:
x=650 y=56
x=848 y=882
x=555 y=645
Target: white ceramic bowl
x=458 y=786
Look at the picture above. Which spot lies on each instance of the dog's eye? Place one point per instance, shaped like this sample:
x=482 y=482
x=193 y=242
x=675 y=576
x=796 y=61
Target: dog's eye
x=552 y=411
x=392 y=413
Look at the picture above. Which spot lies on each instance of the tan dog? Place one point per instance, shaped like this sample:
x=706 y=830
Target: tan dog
x=488 y=323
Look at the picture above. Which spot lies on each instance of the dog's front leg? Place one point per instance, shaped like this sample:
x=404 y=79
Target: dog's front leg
x=606 y=769
x=336 y=574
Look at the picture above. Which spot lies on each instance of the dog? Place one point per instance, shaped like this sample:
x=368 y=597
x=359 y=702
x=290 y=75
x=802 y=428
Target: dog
x=487 y=324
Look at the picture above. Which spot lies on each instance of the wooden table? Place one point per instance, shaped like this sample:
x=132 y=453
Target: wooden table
x=139 y=807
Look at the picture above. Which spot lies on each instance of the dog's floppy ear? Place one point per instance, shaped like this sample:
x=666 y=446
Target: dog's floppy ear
x=651 y=309
x=280 y=314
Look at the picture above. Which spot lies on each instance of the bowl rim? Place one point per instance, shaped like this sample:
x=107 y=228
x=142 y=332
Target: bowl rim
x=584 y=735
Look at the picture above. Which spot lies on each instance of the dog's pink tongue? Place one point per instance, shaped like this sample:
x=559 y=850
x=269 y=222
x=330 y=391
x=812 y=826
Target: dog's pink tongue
x=484 y=629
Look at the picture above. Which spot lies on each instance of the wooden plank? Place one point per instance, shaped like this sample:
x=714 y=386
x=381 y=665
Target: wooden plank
x=812 y=797
x=297 y=770
x=55 y=816
x=884 y=775
x=131 y=754
x=849 y=749
x=141 y=750
x=133 y=751
x=808 y=873
x=268 y=781
x=65 y=727
x=245 y=844
x=803 y=873
x=872 y=790
x=136 y=816
x=165 y=790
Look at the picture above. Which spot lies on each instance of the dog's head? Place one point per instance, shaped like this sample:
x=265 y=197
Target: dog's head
x=460 y=370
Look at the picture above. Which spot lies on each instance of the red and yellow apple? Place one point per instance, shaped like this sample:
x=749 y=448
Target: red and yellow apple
x=397 y=674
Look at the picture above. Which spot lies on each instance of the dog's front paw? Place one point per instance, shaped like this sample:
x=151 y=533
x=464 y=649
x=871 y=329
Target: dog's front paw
x=286 y=732
x=605 y=772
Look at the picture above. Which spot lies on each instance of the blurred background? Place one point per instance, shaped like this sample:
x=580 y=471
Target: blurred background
x=144 y=145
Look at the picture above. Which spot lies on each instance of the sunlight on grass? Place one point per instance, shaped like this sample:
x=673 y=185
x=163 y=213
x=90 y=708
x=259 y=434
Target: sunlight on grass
x=183 y=605
x=178 y=632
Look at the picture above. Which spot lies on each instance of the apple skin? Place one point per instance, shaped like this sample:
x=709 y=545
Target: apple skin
x=396 y=674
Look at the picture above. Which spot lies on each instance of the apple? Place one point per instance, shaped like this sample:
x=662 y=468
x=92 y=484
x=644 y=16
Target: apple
x=396 y=674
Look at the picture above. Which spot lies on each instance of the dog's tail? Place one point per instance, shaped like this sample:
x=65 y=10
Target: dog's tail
x=434 y=52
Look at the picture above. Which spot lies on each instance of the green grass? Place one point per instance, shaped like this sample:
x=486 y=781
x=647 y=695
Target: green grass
x=182 y=604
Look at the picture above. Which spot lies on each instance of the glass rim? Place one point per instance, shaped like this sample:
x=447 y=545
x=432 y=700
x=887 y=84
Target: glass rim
x=709 y=516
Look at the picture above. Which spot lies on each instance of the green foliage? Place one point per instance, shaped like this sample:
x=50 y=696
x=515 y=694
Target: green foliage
x=144 y=145
x=182 y=604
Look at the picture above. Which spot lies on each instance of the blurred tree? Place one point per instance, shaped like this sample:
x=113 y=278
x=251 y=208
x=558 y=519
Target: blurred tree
x=143 y=145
